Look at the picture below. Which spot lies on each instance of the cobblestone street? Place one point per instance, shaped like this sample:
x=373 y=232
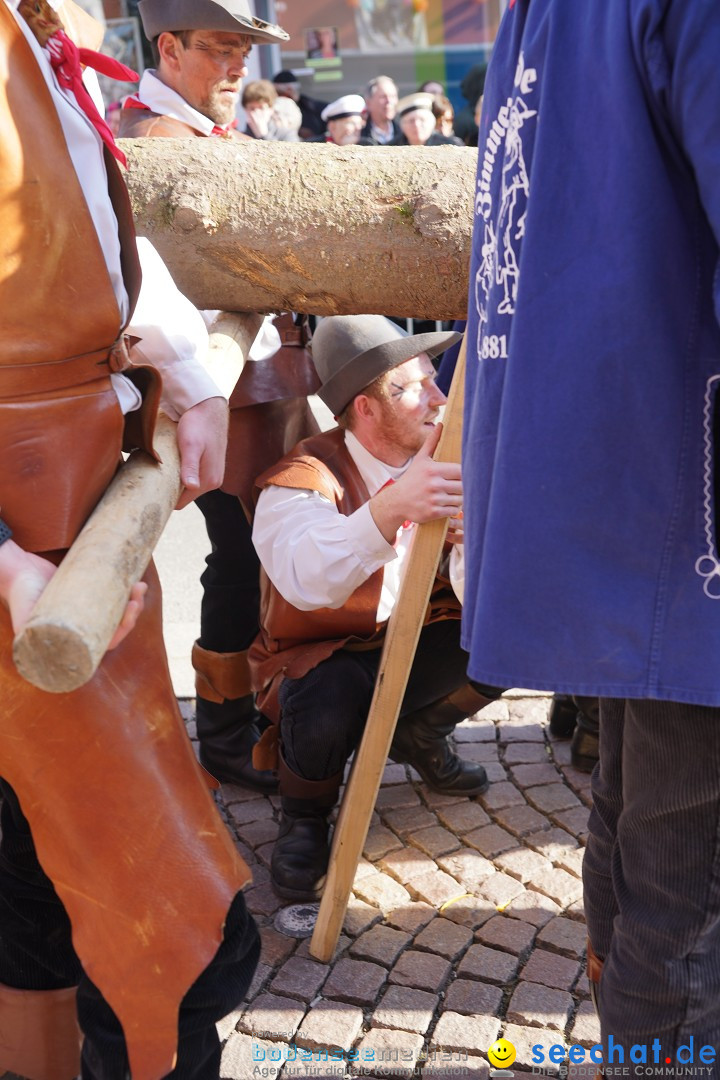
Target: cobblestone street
x=466 y=922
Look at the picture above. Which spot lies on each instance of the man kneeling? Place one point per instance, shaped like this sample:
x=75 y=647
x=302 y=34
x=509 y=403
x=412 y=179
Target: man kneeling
x=332 y=528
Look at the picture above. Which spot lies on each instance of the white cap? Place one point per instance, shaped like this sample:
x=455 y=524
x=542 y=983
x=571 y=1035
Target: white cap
x=415 y=101
x=349 y=105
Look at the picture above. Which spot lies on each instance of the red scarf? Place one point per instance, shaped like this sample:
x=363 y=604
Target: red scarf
x=66 y=59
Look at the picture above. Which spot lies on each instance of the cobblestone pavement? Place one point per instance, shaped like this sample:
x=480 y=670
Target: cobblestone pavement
x=465 y=924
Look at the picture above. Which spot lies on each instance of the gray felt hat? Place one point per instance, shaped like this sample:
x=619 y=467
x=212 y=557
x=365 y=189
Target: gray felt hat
x=234 y=16
x=350 y=351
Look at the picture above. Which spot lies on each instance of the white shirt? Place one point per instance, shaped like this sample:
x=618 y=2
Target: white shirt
x=174 y=338
x=315 y=556
x=161 y=98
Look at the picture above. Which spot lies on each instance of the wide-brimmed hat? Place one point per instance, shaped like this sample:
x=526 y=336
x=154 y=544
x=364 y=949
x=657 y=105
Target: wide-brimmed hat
x=350 y=351
x=234 y=16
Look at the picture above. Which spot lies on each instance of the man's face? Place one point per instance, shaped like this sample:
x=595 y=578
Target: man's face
x=382 y=105
x=410 y=410
x=417 y=126
x=291 y=90
x=208 y=73
x=346 y=131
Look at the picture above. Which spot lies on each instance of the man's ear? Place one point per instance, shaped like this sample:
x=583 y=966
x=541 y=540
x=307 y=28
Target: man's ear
x=365 y=406
x=169 y=49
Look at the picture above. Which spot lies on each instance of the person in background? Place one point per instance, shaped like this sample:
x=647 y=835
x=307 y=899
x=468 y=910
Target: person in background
x=287 y=118
x=381 y=98
x=258 y=100
x=466 y=119
x=444 y=116
x=417 y=123
x=194 y=92
x=431 y=87
x=345 y=119
x=311 y=109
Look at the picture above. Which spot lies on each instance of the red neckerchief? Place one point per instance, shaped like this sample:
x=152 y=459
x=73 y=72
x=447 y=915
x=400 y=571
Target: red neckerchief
x=134 y=102
x=66 y=59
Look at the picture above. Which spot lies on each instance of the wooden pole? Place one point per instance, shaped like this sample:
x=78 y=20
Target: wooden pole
x=68 y=632
x=398 y=652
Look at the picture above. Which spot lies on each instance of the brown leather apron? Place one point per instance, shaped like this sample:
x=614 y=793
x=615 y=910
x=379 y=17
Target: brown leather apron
x=123 y=822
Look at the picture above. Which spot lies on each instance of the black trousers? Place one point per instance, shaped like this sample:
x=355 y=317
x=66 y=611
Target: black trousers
x=231 y=581
x=36 y=953
x=324 y=712
x=652 y=884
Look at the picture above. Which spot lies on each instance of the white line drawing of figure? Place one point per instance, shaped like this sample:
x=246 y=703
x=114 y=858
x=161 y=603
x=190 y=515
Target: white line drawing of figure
x=514 y=185
x=484 y=278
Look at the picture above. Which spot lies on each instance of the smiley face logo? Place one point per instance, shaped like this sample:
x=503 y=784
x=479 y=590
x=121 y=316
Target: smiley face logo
x=501 y=1054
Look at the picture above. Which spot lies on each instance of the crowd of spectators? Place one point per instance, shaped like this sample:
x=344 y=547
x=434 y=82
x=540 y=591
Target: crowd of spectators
x=277 y=110
x=377 y=117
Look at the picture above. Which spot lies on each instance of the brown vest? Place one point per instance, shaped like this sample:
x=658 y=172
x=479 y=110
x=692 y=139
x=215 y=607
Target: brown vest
x=121 y=818
x=141 y=123
x=292 y=642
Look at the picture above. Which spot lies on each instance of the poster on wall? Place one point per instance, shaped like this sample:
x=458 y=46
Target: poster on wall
x=378 y=26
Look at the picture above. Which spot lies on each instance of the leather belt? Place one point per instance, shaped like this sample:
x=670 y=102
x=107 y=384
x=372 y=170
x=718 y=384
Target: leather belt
x=25 y=380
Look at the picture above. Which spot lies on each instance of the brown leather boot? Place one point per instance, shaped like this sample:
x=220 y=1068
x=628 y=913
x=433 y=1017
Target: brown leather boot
x=422 y=739
x=40 y=1034
x=227 y=720
x=585 y=745
x=298 y=867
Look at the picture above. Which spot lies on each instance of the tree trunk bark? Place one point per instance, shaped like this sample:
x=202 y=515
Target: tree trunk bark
x=313 y=228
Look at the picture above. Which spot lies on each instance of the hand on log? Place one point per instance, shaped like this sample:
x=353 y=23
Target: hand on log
x=81 y=609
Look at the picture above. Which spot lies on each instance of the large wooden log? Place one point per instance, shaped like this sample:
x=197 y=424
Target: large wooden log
x=302 y=227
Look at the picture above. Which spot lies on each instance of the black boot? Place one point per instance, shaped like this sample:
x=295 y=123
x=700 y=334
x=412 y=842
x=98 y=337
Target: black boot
x=421 y=739
x=300 y=857
x=227 y=720
x=585 y=746
x=563 y=716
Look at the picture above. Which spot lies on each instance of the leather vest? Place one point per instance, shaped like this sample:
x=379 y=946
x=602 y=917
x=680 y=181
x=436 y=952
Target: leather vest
x=60 y=325
x=292 y=642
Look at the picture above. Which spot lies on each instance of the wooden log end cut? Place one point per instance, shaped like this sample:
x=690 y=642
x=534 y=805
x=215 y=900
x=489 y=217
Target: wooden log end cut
x=55 y=658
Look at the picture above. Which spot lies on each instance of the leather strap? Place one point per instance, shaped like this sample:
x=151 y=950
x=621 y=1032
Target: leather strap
x=220 y=676
x=293 y=786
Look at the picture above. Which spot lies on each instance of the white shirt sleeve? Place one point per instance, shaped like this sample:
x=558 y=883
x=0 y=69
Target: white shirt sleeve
x=315 y=556
x=457 y=571
x=173 y=336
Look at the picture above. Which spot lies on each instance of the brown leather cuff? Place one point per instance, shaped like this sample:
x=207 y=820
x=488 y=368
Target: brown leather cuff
x=220 y=676
x=265 y=752
x=468 y=700
x=296 y=787
x=594 y=964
